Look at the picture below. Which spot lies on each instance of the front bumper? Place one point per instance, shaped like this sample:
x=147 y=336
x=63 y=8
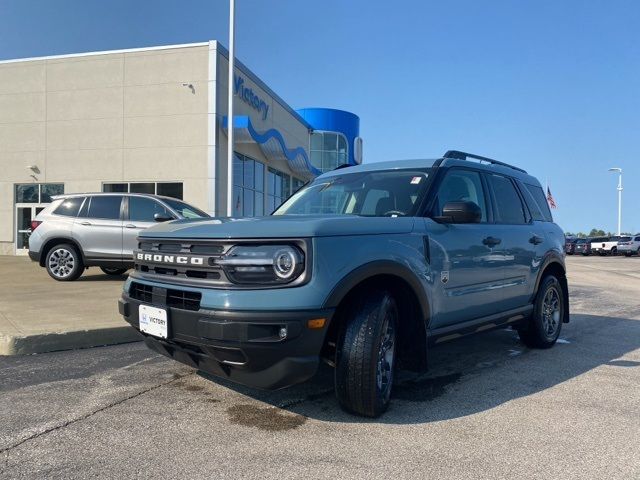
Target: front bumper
x=241 y=346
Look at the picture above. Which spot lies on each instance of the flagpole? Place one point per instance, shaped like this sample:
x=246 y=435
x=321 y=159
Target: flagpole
x=232 y=13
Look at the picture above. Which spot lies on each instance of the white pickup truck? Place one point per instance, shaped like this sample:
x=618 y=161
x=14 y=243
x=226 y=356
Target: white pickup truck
x=605 y=245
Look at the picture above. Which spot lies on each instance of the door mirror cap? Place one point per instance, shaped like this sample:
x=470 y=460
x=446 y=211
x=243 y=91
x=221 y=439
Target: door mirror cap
x=460 y=212
x=162 y=217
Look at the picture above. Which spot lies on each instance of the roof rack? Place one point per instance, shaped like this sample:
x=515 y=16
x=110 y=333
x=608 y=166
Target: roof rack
x=455 y=154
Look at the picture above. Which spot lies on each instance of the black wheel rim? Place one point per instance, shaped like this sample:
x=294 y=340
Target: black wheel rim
x=386 y=356
x=551 y=312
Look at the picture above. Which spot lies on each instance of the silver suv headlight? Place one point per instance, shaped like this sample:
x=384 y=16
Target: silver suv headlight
x=263 y=264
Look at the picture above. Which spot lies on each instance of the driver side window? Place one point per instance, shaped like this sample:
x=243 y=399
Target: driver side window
x=461 y=185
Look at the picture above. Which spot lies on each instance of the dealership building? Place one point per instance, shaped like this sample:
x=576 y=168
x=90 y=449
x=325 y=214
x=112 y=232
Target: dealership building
x=153 y=120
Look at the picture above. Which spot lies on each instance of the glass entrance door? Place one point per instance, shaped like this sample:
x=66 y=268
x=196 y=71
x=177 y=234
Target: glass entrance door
x=24 y=215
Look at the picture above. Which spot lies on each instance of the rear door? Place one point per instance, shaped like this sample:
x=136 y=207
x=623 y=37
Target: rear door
x=98 y=227
x=523 y=241
x=139 y=215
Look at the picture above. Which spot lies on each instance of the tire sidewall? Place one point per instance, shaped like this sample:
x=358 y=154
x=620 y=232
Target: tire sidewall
x=77 y=263
x=365 y=315
x=548 y=282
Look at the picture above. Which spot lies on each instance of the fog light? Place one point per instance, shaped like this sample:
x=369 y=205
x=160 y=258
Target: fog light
x=282 y=333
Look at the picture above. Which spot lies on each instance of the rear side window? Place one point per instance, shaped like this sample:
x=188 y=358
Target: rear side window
x=144 y=209
x=637 y=239
x=541 y=200
x=106 y=207
x=69 y=207
x=508 y=203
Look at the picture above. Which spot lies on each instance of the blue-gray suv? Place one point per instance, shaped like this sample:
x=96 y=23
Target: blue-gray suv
x=364 y=268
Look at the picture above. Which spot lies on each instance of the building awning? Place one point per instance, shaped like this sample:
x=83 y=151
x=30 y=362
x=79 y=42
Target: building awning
x=272 y=144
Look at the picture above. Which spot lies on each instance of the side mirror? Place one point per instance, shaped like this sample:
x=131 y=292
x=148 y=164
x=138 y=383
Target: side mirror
x=162 y=217
x=460 y=212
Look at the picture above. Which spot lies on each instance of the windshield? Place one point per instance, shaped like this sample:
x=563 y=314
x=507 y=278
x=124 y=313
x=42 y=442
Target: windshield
x=184 y=209
x=383 y=193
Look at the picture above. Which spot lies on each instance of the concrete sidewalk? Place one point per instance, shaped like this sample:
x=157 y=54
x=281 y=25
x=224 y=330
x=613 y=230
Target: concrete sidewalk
x=39 y=314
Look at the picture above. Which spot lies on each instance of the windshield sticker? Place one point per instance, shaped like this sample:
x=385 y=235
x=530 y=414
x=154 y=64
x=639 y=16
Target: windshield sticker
x=415 y=180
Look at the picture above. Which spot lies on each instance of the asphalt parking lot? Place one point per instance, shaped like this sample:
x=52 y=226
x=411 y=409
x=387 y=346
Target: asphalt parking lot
x=488 y=408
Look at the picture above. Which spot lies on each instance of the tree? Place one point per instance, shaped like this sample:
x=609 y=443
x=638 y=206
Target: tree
x=597 y=233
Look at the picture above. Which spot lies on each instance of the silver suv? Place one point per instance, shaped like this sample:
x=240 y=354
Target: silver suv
x=79 y=231
x=629 y=245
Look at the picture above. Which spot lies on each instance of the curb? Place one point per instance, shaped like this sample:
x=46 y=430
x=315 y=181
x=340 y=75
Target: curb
x=56 y=341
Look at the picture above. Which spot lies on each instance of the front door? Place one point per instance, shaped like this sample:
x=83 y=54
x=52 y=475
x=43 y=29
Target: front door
x=24 y=215
x=140 y=215
x=467 y=259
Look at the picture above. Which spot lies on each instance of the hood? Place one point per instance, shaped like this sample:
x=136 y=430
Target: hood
x=281 y=226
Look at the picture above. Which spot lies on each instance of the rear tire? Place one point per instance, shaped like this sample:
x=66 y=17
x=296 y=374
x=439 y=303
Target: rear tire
x=365 y=357
x=64 y=263
x=113 y=271
x=543 y=328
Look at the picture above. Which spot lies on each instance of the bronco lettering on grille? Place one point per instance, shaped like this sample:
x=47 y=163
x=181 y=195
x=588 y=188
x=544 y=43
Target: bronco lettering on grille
x=173 y=259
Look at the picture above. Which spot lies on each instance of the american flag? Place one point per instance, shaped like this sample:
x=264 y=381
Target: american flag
x=550 y=200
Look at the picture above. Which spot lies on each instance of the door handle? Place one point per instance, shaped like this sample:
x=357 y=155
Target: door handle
x=536 y=240
x=85 y=223
x=130 y=225
x=491 y=241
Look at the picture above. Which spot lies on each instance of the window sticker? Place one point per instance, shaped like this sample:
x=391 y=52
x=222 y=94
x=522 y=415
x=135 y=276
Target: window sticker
x=415 y=180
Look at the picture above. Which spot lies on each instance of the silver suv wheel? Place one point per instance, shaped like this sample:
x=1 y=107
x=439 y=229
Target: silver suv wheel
x=64 y=263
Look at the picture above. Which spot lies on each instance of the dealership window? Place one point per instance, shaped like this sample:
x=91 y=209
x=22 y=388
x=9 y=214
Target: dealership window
x=37 y=192
x=328 y=150
x=167 y=189
x=278 y=189
x=248 y=187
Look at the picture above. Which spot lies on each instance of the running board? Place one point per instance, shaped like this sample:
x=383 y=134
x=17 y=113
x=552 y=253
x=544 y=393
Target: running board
x=451 y=332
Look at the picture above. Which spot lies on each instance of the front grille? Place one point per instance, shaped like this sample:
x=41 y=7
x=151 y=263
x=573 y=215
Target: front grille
x=181 y=299
x=207 y=274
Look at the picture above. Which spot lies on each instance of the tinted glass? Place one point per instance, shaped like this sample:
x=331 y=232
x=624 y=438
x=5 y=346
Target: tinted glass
x=106 y=207
x=173 y=190
x=142 y=188
x=49 y=190
x=143 y=209
x=69 y=207
x=461 y=185
x=637 y=239
x=27 y=193
x=508 y=203
x=376 y=194
x=541 y=200
x=115 y=187
x=184 y=209
x=624 y=239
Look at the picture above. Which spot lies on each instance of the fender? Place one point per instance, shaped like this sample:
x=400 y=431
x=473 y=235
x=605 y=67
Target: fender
x=380 y=267
x=549 y=259
x=47 y=246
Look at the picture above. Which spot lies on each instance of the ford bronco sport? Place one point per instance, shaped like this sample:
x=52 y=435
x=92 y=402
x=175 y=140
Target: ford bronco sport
x=364 y=268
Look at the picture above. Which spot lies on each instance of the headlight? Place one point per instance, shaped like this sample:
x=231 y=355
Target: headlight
x=263 y=264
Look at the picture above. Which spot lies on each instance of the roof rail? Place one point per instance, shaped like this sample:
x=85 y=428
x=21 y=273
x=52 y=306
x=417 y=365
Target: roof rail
x=455 y=154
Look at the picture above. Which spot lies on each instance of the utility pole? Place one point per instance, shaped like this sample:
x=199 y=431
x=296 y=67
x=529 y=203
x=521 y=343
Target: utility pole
x=619 y=171
x=232 y=41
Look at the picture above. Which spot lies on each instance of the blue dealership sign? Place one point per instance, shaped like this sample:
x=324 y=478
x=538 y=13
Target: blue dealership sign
x=248 y=96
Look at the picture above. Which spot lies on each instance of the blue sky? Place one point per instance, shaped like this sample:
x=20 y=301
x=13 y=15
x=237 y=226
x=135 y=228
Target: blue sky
x=552 y=86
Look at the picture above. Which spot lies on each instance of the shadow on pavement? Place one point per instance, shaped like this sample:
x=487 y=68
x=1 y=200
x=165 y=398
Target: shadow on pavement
x=465 y=377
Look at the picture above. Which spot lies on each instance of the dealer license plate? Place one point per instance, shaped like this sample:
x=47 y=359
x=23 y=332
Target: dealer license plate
x=153 y=321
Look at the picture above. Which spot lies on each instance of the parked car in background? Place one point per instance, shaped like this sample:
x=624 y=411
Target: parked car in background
x=582 y=246
x=629 y=245
x=605 y=245
x=78 y=231
x=570 y=245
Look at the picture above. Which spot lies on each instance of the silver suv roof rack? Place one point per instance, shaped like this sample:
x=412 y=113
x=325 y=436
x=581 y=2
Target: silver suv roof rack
x=455 y=154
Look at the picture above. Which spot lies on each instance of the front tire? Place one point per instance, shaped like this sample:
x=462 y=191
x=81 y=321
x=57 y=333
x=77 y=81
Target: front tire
x=113 y=271
x=365 y=358
x=64 y=263
x=543 y=328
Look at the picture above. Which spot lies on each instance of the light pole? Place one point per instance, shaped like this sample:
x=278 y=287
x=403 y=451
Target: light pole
x=232 y=41
x=619 y=170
